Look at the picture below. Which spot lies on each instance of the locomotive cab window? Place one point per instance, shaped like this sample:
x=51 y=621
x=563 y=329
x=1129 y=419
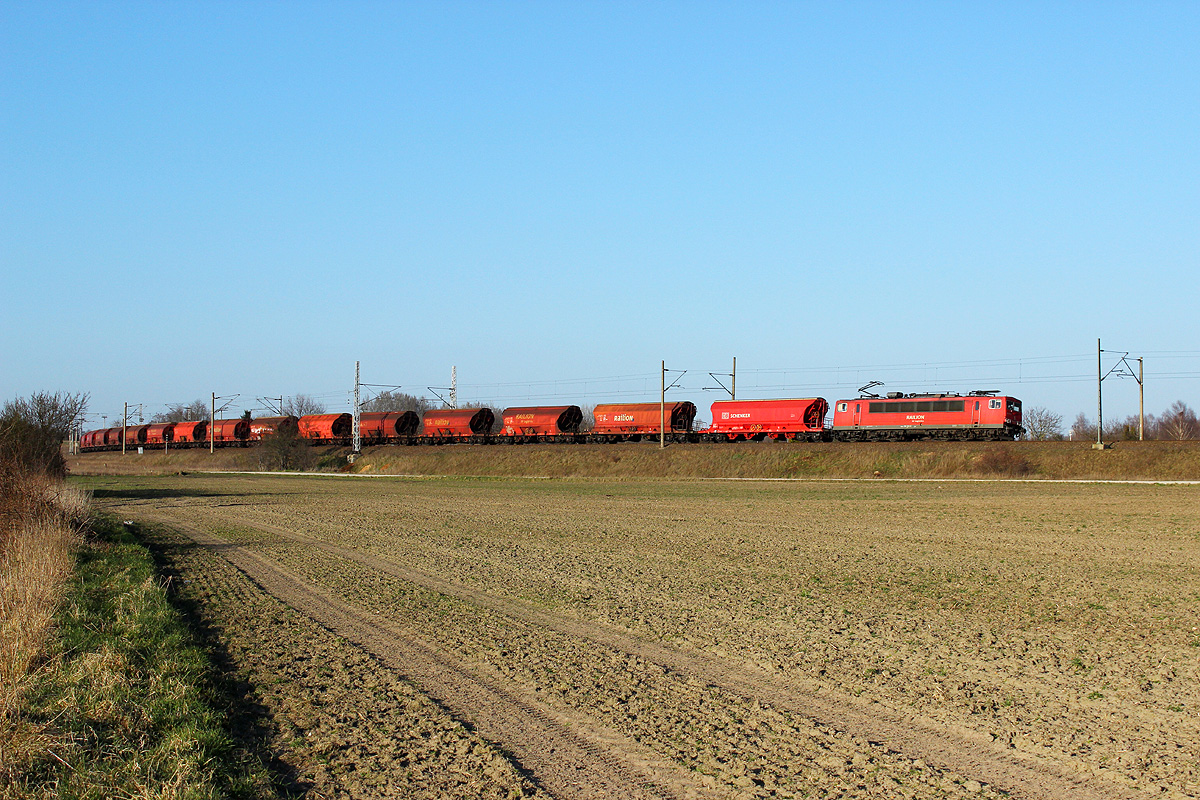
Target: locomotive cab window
x=843 y=406
x=996 y=402
x=915 y=406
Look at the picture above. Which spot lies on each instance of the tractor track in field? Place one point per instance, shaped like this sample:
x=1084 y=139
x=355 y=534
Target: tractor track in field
x=956 y=751
x=566 y=755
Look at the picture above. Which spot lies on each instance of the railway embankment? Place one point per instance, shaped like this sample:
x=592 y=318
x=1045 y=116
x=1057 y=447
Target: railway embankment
x=1151 y=460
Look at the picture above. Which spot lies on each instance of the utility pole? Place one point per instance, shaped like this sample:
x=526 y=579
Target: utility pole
x=1141 y=404
x=124 y=424
x=454 y=387
x=212 y=422
x=662 y=410
x=1099 y=399
x=733 y=383
x=357 y=429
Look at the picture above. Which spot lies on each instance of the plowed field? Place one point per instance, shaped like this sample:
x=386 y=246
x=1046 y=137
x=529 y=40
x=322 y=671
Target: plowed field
x=648 y=638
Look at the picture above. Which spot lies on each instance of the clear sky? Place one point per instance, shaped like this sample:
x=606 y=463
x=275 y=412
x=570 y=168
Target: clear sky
x=245 y=198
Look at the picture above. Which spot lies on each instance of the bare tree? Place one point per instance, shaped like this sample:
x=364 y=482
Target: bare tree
x=589 y=417
x=1041 y=424
x=33 y=429
x=1083 y=428
x=302 y=405
x=193 y=411
x=1178 y=422
x=396 y=401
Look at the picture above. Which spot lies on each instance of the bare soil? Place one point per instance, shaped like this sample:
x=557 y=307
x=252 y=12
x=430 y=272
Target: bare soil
x=641 y=638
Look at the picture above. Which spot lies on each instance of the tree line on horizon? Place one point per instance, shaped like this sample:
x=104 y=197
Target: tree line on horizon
x=1178 y=422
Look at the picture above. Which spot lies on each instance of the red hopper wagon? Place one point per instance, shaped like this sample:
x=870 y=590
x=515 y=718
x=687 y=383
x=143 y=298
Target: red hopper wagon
x=264 y=426
x=161 y=433
x=230 y=431
x=458 y=424
x=542 y=423
x=135 y=435
x=329 y=428
x=380 y=426
x=187 y=434
x=617 y=422
x=802 y=418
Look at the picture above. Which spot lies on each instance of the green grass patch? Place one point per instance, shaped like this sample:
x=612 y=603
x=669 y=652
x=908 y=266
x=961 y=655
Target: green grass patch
x=125 y=702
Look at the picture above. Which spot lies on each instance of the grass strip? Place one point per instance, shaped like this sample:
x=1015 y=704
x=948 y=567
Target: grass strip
x=126 y=703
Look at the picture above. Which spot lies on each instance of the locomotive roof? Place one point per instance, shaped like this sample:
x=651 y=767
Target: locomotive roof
x=927 y=395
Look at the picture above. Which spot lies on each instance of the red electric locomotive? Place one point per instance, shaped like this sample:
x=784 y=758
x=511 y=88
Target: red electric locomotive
x=897 y=417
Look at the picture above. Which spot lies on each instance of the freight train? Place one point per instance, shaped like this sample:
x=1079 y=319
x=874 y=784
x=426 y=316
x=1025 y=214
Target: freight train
x=975 y=416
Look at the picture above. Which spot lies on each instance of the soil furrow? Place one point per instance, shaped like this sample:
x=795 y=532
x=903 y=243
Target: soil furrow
x=961 y=751
x=565 y=756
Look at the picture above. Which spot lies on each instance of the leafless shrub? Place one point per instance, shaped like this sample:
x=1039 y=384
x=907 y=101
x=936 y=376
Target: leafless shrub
x=33 y=429
x=285 y=449
x=1041 y=424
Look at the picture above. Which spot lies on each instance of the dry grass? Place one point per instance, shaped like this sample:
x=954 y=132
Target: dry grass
x=42 y=523
x=1150 y=460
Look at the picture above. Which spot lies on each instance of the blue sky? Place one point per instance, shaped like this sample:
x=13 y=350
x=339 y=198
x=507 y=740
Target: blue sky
x=554 y=197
